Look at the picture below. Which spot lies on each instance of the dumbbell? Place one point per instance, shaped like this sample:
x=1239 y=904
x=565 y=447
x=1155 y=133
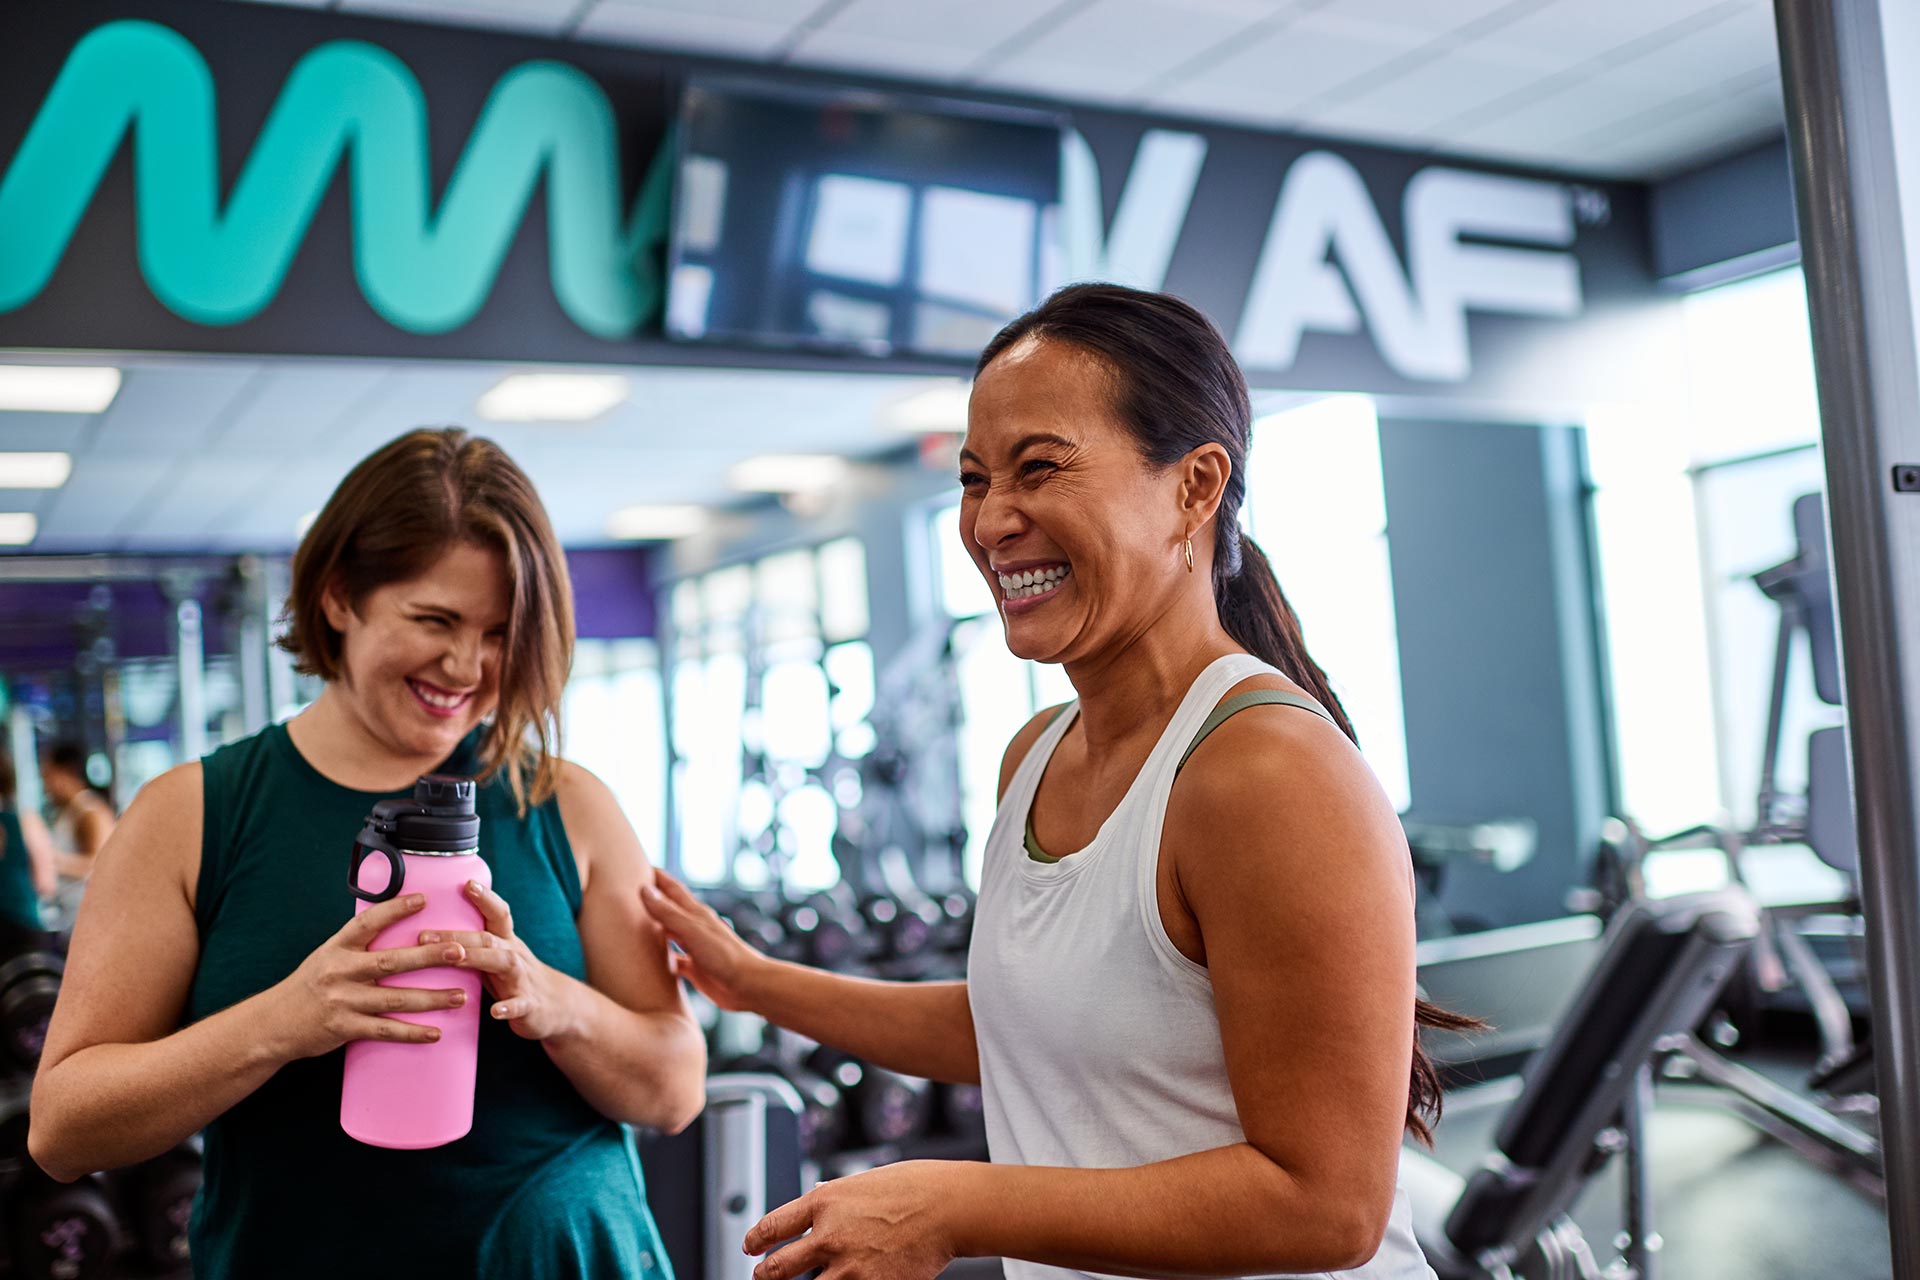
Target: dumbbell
x=963 y=1108
x=823 y=1115
x=902 y=929
x=830 y=929
x=156 y=1201
x=746 y=917
x=887 y=1107
x=29 y=986
x=50 y=1231
x=59 y=1232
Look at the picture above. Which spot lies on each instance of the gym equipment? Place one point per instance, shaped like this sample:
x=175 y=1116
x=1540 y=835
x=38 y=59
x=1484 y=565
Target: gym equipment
x=830 y=929
x=49 y=1231
x=887 y=1108
x=709 y=1183
x=963 y=1110
x=823 y=1121
x=1783 y=962
x=30 y=969
x=156 y=1201
x=1583 y=1100
x=396 y=1094
x=1520 y=980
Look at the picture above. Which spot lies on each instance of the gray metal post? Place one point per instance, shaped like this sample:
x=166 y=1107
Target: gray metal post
x=1854 y=136
x=255 y=711
x=277 y=579
x=190 y=656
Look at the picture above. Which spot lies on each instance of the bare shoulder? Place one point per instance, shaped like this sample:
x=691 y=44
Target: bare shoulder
x=1283 y=786
x=1023 y=742
x=604 y=843
x=162 y=826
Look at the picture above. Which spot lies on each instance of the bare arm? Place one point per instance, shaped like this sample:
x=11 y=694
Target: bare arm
x=120 y=1080
x=1292 y=865
x=916 y=1028
x=624 y=1037
x=920 y=1029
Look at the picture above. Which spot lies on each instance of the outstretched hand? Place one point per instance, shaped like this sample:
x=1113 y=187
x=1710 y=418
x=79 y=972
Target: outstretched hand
x=887 y=1222
x=709 y=954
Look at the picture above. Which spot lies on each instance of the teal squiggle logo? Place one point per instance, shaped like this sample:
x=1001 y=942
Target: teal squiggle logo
x=424 y=270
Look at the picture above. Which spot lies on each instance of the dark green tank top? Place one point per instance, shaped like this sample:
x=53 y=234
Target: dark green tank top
x=544 y=1185
x=19 y=900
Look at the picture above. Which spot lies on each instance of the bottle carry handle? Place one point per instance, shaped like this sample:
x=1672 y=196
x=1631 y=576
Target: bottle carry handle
x=370 y=841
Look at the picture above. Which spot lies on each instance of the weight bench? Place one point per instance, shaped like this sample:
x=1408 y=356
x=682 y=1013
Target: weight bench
x=1584 y=1098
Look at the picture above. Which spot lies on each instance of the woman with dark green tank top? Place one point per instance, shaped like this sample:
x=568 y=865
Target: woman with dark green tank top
x=26 y=869
x=217 y=968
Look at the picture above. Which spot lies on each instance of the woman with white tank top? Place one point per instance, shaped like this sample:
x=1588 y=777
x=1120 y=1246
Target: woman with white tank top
x=1190 y=994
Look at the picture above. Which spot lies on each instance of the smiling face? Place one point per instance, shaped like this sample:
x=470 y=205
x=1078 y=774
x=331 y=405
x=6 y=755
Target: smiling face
x=420 y=659
x=1077 y=534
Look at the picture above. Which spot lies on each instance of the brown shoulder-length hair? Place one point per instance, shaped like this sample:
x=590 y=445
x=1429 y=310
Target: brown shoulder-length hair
x=397 y=512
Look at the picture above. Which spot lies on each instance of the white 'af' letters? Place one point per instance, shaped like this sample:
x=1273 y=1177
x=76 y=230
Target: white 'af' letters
x=1325 y=215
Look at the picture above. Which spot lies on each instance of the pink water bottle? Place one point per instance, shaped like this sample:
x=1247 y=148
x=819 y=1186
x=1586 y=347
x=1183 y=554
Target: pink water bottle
x=410 y=1096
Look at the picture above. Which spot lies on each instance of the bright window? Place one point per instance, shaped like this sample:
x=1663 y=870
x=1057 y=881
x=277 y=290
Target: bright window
x=1690 y=500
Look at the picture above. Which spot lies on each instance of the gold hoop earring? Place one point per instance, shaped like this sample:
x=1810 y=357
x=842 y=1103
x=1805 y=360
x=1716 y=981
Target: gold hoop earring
x=1189 y=549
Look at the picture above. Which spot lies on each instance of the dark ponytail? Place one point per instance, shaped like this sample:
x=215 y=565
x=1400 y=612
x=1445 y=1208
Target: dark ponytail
x=1176 y=387
x=1256 y=614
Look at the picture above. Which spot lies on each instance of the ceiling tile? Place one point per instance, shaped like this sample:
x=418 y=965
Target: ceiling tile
x=881 y=55
x=97 y=498
x=301 y=402
x=694 y=30
x=164 y=408
x=1115 y=48
x=1591 y=29
x=968 y=27
x=197 y=498
x=1288 y=68
x=39 y=432
x=536 y=17
x=1439 y=90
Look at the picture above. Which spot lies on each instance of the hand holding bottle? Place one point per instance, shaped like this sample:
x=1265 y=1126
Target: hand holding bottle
x=527 y=995
x=334 y=996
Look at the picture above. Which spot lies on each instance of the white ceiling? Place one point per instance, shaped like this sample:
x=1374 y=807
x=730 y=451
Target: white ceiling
x=1611 y=88
x=214 y=454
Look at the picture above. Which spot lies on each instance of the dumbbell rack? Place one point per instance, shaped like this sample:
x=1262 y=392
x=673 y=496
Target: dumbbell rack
x=128 y=1224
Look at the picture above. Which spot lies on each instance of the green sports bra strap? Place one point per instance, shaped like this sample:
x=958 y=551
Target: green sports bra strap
x=1253 y=698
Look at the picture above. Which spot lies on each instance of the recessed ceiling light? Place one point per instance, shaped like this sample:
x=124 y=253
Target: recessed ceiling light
x=656 y=524
x=553 y=397
x=34 y=470
x=53 y=388
x=789 y=473
x=940 y=409
x=17 y=528
x=304 y=523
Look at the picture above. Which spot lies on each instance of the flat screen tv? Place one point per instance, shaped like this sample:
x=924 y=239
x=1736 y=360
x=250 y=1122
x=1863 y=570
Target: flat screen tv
x=854 y=221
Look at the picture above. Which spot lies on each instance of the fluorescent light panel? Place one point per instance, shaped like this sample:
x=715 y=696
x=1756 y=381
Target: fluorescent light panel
x=17 y=528
x=34 y=470
x=789 y=473
x=656 y=524
x=553 y=397
x=52 y=388
x=940 y=409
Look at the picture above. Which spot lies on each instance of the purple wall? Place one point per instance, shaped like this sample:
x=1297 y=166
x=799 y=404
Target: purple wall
x=612 y=593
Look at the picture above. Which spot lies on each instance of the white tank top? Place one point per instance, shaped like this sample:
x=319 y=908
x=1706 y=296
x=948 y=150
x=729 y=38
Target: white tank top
x=1099 y=1047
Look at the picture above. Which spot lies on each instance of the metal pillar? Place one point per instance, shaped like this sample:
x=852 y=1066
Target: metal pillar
x=190 y=655
x=277 y=579
x=1852 y=72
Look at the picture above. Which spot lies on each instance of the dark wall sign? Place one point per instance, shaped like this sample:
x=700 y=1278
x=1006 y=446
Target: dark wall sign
x=242 y=178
